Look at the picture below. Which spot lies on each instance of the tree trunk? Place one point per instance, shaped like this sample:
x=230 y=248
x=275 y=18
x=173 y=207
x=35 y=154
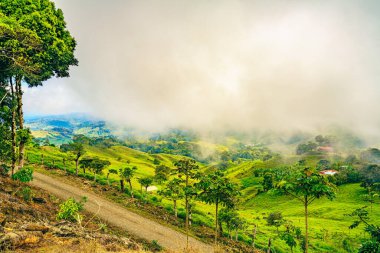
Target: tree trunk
x=42 y=159
x=76 y=167
x=306 y=227
x=13 y=128
x=269 y=245
x=21 y=120
x=216 y=221
x=187 y=214
x=94 y=177
x=220 y=226
x=130 y=187
x=175 y=208
x=254 y=236
x=121 y=185
x=108 y=181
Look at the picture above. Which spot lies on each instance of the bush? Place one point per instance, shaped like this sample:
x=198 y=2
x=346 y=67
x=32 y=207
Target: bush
x=88 y=176
x=102 y=181
x=275 y=219
x=24 y=175
x=26 y=193
x=69 y=210
x=4 y=169
x=155 y=246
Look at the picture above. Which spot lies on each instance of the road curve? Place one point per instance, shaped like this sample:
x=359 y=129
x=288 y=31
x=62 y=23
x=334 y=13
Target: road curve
x=121 y=217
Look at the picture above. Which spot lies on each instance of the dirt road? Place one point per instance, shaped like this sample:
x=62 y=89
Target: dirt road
x=121 y=217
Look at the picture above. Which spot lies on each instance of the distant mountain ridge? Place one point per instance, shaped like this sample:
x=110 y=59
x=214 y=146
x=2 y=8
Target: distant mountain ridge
x=60 y=128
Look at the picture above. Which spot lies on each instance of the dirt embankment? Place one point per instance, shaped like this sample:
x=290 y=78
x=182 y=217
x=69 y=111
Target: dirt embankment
x=28 y=224
x=121 y=217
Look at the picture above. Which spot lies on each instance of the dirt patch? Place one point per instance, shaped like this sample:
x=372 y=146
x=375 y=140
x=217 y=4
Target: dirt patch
x=28 y=224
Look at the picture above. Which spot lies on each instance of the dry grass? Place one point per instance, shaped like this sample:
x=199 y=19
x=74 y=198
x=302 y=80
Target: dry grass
x=78 y=246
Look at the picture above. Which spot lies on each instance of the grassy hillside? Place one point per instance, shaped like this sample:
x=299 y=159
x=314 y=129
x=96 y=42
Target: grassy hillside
x=328 y=219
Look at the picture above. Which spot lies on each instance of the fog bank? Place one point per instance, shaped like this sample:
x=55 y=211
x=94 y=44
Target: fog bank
x=223 y=65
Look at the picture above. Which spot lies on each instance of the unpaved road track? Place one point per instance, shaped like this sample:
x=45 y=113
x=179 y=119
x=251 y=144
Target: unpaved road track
x=121 y=217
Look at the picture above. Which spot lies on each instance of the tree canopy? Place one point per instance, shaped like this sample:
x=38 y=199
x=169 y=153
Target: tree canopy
x=42 y=23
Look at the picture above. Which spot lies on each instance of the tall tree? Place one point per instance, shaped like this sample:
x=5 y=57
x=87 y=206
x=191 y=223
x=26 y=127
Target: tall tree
x=17 y=47
x=307 y=186
x=56 y=44
x=216 y=189
x=188 y=169
x=13 y=129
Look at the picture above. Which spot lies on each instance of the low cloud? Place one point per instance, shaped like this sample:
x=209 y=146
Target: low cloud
x=224 y=65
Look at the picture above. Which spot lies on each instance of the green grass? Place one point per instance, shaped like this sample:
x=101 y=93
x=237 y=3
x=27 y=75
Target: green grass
x=328 y=220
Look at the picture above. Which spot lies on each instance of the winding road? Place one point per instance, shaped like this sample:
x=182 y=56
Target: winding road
x=119 y=216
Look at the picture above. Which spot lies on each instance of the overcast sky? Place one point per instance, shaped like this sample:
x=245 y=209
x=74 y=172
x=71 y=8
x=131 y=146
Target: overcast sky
x=221 y=64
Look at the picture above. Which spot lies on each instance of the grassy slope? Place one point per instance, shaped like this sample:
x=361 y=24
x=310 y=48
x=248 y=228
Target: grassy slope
x=329 y=225
x=328 y=221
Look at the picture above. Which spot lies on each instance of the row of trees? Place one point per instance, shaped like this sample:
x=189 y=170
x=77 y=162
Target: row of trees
x=187 y=182
x=34 y=47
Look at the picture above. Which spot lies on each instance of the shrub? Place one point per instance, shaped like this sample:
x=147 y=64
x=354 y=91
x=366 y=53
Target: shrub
x=24 y=175
x=155 y=246
x=89 y=177
x=26 y=193
x=4 y=169
x=69 y=210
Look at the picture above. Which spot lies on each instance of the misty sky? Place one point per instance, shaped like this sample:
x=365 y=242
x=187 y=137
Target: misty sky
x=221 y=64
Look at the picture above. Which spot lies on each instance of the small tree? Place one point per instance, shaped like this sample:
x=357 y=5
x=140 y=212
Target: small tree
x=77 y=148
x=238 y=224
x=173 y=191
x=275 y=219
x=162 y=173
x=127 y=174
x=216 y=189
x=268 y=181
x=98 y=165
x=228 y=216
x=289 y=239
x=306 y=187
x=373 y=243
x=110 y=171
x=85 y=163
x=145 y=182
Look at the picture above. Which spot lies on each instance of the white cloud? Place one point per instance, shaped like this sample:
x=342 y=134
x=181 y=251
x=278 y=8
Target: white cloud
x=221 y=64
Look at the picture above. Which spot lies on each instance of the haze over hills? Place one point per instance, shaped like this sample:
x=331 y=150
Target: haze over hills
x=61 y=128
